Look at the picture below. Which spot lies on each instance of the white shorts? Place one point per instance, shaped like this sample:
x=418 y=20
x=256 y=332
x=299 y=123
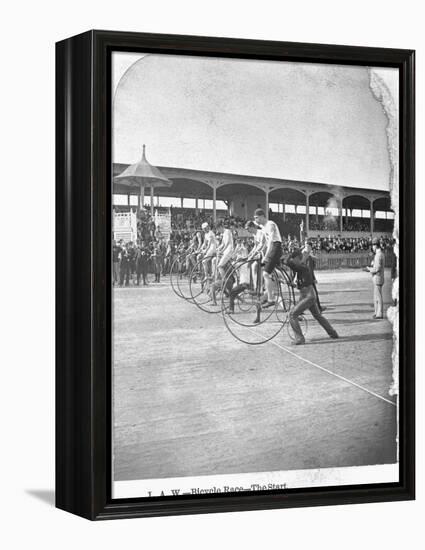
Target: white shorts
x=225 y=259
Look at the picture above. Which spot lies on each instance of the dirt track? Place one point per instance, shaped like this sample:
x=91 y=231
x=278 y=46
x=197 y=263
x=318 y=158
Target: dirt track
x=189 y=399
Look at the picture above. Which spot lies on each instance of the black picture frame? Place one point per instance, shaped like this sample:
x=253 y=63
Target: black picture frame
x=83 y=279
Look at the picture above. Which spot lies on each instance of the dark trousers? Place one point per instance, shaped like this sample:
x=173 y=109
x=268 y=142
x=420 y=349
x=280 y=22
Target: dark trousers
x=317 y=296
x=116 y=272
x=143 y=271
x=125 y=273
x=307 y=301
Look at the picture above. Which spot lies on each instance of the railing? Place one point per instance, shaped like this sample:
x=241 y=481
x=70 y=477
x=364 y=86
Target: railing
x=312 y=233
x=347 y=260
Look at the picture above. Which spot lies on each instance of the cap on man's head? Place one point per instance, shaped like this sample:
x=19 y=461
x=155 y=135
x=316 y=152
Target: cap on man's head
x=259 y=212
x=204 y=225
x=376 y=241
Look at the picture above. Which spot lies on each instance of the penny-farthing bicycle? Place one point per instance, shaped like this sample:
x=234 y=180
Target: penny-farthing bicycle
x=183 y=281
x=244 y=313
x=206 y=285
x=176 y=273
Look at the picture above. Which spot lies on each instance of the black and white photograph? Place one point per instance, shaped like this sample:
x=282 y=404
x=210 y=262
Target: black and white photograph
x=211 y=323
x=255 y=256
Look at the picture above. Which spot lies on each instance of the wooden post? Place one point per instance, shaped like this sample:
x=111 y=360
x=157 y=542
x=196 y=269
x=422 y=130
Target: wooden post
x=152 y=200
x=214 y=204
x=142 y=196
x=371 y=218
x=307 y=214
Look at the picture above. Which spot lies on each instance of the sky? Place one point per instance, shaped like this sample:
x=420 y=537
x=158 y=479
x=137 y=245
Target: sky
x=305 y=122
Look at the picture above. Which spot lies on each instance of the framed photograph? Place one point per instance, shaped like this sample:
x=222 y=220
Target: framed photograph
x=235 y=274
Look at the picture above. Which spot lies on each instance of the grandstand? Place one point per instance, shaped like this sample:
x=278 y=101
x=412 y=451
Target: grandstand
x=320 y=209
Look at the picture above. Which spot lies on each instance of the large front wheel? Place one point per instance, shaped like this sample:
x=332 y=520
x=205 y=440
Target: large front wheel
x=175 y=273
x=206 y=286
x=245 y=314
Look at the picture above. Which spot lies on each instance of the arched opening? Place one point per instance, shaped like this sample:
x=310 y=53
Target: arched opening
x=383 y=215
x=357 y=213
x=190 y=202
x=287 y=207
x=242 y=198
x=324 y=212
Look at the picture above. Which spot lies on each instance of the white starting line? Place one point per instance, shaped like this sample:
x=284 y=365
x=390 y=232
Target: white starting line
x=331 y=373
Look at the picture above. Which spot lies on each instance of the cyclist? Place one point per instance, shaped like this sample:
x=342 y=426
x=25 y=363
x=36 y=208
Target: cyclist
x=208 y=250
x=272 y=253
x=225 y=250
x=307 y=298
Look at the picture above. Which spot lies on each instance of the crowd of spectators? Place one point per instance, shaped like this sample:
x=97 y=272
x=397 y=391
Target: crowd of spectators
x=345 y=244
x=186 y=220
x=153 y=253
x=134 y=261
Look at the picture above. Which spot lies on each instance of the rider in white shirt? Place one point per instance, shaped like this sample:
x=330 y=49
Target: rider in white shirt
x=259 y=240
x=272 y=254
x=209 y=248
x=258 y=249
x=225 y=250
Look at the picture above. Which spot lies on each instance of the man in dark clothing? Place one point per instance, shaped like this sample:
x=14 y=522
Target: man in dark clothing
x=307 y=298
x=310 y=261
x=132 y=257
x=125 y=266
x=116 y=249
x=157 y=262
x=142 y=262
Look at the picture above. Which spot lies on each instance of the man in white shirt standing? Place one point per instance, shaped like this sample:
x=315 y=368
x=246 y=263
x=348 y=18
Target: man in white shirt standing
x=377 y=270
x=272 y=254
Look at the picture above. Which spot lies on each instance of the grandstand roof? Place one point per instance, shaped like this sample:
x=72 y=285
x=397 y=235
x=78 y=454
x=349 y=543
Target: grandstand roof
x=300 y=121
x=199 y=184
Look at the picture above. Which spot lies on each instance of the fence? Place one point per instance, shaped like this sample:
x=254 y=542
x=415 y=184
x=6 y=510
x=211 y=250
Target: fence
x=341 y=260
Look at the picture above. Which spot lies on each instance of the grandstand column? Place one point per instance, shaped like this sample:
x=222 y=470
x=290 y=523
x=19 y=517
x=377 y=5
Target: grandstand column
x=214 y=184
x=307 y=214
x=152 y=197
x=340 y=217
x=371 y=217
x=267 y=191
x=142 y=196
x=196 y=206
x=214 y=203
x=284 y=212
